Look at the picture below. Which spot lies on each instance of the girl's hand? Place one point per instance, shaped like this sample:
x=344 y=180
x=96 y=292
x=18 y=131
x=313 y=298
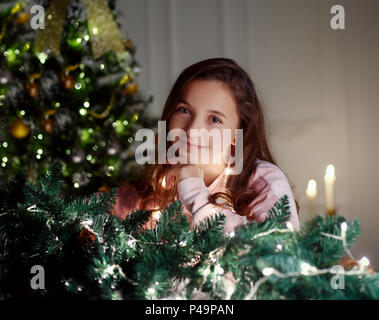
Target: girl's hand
x=182 y=171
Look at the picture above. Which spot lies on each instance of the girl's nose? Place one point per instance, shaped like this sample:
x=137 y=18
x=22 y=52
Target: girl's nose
x=195 y=136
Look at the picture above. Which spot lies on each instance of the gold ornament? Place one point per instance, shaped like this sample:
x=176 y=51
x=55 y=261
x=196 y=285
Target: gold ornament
x=104 y=188
x=48 y=125
x=48 y=113
x=86 y=237
x=131 y=88
x=22 y=18
x=31 y=86
x=128 y=43
x=19 y=129
x=32 y=89
x=103 y=30
x=68 y=81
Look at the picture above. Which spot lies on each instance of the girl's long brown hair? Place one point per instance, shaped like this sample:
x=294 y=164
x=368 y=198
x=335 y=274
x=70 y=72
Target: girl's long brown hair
x=255 y=144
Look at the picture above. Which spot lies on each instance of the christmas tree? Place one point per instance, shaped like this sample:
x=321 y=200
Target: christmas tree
x=82 y=251
x=69 y=93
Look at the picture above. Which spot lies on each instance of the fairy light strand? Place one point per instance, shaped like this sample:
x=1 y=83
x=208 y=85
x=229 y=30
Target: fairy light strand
x=308 y=270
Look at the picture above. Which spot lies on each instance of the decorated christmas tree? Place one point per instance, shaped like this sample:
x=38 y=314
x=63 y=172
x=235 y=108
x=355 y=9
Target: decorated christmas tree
x=69 y=93
x=54 y=248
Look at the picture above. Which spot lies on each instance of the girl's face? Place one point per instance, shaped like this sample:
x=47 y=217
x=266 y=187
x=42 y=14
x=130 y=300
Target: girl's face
x=206 y=105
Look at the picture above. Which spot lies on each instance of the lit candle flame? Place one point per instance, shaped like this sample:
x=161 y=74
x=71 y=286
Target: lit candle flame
x=311 y=190
x=330 y=172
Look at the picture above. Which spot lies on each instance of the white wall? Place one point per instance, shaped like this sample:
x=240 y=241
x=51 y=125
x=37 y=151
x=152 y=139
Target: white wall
x=319 y=87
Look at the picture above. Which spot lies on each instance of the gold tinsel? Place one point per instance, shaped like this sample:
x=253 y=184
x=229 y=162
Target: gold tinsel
x=103 y=30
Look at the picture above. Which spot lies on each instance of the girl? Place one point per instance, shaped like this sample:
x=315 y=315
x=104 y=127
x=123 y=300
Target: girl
x=213 y=94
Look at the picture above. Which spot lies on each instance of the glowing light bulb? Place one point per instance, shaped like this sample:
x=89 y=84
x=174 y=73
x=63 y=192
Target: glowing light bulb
x=364 y=262
x=268 y=271
x=307 y=269
x=157 y=215
x=289 y=226
x=219 y=269
x=343 y=229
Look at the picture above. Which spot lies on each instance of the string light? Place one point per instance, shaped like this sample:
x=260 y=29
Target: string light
x=343 y=229
x=289 y=226
x=266 y=233
x=308 y=270
x=156 y=215
x=229 y=291
x=268 y=271
x=87 y=223
x=219 y=270
x=131 y=243
x=364 y=262
x=206 y=272
x=342 y=238
x=232 y=234
x=42 y=56
x=182 y=243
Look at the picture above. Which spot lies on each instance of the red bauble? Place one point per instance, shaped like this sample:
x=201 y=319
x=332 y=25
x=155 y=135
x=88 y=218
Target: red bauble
x=32 y=89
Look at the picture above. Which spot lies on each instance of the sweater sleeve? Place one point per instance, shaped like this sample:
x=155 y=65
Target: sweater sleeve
x=193 y=193
x=270 y=185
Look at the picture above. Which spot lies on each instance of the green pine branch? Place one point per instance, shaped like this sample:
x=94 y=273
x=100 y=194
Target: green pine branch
x=90 y=254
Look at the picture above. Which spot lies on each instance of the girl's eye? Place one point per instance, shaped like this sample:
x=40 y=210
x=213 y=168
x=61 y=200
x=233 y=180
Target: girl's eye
x=182 y=108
x=217 y=120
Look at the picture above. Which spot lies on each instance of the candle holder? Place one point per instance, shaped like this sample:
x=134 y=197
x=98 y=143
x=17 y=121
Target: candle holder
x=331 y=212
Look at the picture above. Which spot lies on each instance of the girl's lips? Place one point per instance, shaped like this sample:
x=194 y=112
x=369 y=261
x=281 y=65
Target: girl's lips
x=194 y=145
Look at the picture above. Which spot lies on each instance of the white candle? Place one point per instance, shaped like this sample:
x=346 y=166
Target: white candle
x=329 y=180
x=311 y=193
